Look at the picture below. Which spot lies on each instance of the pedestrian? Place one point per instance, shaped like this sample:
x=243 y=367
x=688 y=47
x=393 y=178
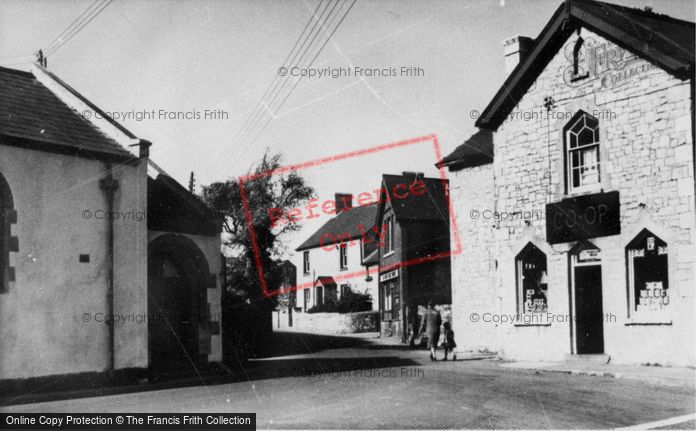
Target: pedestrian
x=448 y=341
x=414 y=325
x=431 y=325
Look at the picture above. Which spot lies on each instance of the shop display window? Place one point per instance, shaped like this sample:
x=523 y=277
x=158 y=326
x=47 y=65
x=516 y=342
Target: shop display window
x=531 y=280
x=647 y=274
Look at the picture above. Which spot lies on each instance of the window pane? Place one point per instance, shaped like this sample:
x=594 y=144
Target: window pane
x=585 y=137
x=589 y=171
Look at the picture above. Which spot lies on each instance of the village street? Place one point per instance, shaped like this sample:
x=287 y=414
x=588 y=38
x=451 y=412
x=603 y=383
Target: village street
x=350 y=382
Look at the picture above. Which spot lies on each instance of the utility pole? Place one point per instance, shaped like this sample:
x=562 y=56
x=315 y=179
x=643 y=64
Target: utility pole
x=192 y=182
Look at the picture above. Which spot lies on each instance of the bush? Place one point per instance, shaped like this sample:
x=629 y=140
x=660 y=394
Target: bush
x=329 y=307
x=353 y=302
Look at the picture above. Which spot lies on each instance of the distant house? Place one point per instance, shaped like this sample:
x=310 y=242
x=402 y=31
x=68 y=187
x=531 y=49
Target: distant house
x=415 y=227
x=107 y=265
x=334 y=252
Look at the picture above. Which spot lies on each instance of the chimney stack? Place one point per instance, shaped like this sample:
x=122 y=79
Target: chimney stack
x=343 y=202
x=515 y=49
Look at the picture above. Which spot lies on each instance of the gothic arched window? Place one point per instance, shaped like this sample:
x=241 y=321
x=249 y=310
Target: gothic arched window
x=647 y=273
x=582 y=153
x=531 y=280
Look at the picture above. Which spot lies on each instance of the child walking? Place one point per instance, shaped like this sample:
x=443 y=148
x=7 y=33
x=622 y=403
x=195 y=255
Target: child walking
x=449 y=341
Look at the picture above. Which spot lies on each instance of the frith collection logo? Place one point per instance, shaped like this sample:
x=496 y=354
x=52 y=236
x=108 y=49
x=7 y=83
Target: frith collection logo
x=602 y=61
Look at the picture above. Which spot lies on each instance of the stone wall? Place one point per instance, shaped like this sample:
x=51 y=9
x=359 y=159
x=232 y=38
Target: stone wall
x=646 y=155
x=328 y=323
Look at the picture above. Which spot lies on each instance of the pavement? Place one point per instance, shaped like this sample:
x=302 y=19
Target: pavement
x=670 y=376
x=310 y=381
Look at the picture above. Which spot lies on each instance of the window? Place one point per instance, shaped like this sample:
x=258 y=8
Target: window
x=531 y=280
x=388 y=235
x=582 y=156
x=345 y=289
x=307 y=298
x=647 y=274
x=8 y=244
x=307 y=265
x=343 y=248
x=390 y=297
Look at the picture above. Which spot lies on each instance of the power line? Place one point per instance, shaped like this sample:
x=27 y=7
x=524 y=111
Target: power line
x=65 y=30
x=276 y=109
x=263 y=105
x=79 y=27
x=299 y=80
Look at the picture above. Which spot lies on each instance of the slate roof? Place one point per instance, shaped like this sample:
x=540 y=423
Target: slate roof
x=431 y=205
x=30 y=111
x=666 y=42
x=345 y=223
x=475 y=151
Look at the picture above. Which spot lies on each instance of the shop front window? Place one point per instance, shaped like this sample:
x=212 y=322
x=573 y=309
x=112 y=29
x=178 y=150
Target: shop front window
x=647 y=274
x=531 y=278
x=582 y=156
x=390 y=298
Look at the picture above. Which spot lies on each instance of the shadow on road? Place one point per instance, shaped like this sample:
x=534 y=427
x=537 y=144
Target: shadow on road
x=274 y=362
x=288 y=343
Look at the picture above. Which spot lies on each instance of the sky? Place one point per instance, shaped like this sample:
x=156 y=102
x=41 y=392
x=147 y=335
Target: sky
x=185 y=58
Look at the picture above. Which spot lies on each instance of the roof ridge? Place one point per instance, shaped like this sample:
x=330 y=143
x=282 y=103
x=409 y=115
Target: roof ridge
x=644 y=12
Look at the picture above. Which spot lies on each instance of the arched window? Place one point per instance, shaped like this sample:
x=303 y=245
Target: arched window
x=531 y=280
x=647 y=274
x=8 y=216
x=582 y=154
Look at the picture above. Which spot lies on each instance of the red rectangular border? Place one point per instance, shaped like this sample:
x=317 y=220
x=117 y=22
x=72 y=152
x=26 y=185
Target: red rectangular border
x=338 y=157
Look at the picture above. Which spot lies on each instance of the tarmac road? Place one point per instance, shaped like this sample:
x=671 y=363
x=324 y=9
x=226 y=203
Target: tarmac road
x=362 y=386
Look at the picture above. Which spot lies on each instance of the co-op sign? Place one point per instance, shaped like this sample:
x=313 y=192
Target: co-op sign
x=583 y=217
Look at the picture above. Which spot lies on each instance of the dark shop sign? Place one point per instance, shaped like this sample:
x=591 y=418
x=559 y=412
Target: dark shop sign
x=583 y=217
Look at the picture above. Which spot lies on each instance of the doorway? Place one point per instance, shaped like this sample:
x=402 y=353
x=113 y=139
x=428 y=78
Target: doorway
x=178 y=275
x=173 y=319
x=587 y=295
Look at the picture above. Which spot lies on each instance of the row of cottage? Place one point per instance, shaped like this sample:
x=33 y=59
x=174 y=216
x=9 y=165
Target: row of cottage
x=573 y=203
x=586 y=154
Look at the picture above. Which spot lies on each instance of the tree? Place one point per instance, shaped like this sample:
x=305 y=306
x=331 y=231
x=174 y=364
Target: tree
x=263 y=191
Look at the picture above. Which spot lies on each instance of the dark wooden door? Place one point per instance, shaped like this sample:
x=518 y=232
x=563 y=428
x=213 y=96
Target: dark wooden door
x=172 y=327
x=589 y=309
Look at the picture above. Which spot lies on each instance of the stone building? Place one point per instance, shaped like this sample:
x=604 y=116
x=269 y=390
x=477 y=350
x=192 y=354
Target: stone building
x=575 y=200
x=108 y=267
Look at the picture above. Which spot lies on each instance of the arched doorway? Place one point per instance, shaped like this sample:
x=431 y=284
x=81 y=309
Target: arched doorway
x=178 y=274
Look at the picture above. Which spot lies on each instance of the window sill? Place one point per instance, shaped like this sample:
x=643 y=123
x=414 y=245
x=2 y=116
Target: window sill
x=598 y=188
x=648 y=321
x=391 y=253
